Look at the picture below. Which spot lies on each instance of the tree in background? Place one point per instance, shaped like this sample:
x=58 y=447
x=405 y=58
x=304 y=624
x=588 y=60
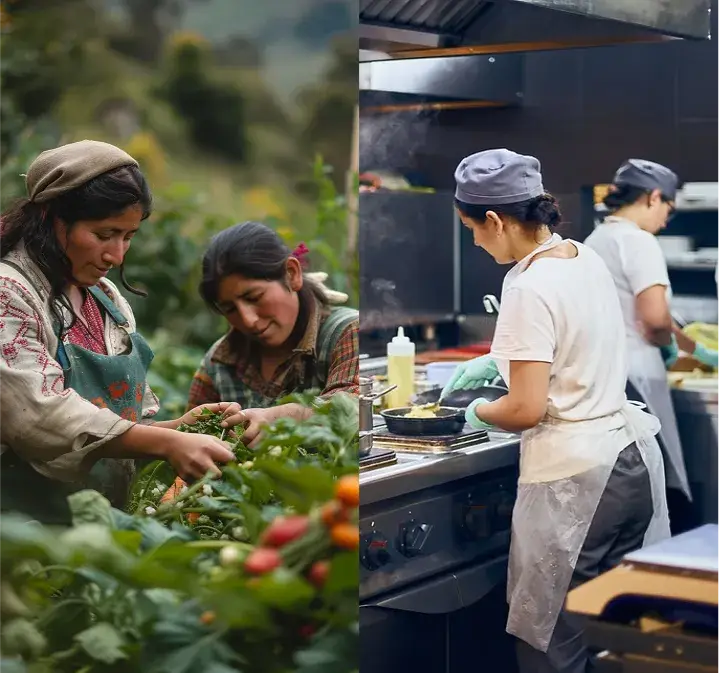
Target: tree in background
x=149 y=23
x=213 y=111
x=329 y=110
x=38 y=52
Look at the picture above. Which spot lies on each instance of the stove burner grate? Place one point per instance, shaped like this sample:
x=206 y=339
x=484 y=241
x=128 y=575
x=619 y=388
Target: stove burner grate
x=378 y=457
x=429 y=443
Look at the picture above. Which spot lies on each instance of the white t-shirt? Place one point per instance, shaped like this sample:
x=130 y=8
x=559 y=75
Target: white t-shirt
x=636 y=263
x=566 y=312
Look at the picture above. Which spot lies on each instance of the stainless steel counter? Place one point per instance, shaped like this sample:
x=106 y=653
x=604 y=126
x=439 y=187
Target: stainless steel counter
x=414 y=471
x=689 y=399
x=696 y=413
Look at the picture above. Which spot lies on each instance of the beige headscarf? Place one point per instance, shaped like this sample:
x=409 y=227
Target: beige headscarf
x=65 y=168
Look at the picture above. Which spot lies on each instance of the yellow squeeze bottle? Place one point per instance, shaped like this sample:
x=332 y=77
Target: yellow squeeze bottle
x=400 y=370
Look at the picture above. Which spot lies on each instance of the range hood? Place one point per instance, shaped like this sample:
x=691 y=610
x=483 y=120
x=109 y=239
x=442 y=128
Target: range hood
x=440 y=54
x=441 y=83
x=433 y=28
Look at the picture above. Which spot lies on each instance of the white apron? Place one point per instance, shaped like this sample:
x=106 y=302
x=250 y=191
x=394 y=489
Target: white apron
x=648 y=374
x=564 y=469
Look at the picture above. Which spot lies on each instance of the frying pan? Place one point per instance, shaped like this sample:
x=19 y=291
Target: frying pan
x=448 y=421
x=461 y=399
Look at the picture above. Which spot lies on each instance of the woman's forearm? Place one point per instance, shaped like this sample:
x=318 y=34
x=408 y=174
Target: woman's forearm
x=168 y=425
x=140 y=441
x=507 y=414
x=292 y=410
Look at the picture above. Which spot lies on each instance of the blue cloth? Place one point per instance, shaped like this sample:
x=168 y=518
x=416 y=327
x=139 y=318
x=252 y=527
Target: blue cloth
x=471 y=416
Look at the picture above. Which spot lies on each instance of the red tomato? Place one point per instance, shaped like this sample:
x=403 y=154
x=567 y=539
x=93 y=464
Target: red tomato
x=284 y=529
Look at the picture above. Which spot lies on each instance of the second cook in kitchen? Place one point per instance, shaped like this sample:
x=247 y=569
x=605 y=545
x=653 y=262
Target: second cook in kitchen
x=286 y=332
x=591 y=476
x=641 y=201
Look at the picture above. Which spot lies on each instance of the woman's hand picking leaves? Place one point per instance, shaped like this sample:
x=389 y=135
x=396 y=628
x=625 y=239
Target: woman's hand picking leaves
x=253 y=420
x=227 y=409
x=193 y=455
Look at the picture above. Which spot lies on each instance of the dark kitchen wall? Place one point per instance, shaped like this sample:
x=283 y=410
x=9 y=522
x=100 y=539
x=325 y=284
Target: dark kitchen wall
x=582 y=113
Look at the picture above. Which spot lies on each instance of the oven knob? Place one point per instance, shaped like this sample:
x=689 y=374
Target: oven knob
x=374 y=551
x=412 y=537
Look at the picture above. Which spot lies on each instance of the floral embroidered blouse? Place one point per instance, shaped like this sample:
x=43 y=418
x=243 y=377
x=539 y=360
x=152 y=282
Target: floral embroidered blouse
x=41 y=421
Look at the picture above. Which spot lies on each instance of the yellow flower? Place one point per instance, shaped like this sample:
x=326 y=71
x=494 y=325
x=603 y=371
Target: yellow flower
x=147 y=151
x=261 y=202
x=286 y=234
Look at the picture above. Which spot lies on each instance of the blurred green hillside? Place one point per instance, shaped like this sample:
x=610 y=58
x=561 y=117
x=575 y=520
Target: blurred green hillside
x=225 y=103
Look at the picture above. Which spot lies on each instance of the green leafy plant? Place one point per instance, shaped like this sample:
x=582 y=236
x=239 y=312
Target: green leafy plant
x=328 y=239
x=144 y=593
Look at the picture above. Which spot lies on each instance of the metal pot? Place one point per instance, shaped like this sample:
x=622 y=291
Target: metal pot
x=366 y=423
x=448 y=421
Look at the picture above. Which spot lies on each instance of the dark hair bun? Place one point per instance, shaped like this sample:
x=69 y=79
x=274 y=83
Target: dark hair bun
x=622 y=195
x=544 y=210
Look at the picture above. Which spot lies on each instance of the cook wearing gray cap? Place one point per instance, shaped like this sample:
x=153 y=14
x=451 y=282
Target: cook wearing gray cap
x=649 y=176
x=640 y=201
x=500 y=196
x=76 y=409
x=555 y=344
x=498 y=177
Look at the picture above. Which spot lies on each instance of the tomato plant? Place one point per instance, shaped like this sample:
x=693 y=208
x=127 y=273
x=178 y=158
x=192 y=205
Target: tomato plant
x=260 y=581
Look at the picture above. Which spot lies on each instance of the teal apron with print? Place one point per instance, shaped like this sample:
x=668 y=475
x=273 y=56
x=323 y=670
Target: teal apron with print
x=115 y=382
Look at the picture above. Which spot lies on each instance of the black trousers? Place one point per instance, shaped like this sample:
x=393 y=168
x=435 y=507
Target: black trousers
x=618 y=527
x=682 y=513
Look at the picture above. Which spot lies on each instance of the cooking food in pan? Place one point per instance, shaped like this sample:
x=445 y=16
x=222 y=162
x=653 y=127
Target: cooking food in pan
x=444 y=421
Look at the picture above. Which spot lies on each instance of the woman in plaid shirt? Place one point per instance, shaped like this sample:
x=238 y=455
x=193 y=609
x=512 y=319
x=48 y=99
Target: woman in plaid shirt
x=285 y=333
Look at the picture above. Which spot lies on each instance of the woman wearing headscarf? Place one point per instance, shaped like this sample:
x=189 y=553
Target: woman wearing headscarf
x=641 y=200
x=75 y=407
x=591 y=480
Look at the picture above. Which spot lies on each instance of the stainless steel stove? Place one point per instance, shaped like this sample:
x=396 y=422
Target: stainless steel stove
x=433 y=554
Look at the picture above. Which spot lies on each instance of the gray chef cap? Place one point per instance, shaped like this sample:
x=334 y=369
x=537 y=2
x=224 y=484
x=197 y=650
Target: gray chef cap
x=648 y=175
x=498 y=177
x=65 y=168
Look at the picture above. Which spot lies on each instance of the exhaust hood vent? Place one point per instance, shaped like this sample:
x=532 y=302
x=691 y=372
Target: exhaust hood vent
x=488 y=81
x=416 y=28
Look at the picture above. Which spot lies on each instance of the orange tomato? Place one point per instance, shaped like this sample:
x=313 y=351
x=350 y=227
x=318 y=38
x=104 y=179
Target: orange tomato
x=332 y=512
x=347 y=490
x=207 y=618
x=345 y=536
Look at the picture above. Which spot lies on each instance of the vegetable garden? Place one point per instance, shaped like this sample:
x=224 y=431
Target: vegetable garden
x=256 y=571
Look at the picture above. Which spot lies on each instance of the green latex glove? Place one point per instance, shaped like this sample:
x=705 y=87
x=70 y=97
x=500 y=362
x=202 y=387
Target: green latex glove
x=670 y=353
x=471 y=416
x=705 y=355
x=472 y=374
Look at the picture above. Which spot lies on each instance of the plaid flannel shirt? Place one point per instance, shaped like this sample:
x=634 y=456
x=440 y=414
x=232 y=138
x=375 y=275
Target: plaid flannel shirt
x=326 y=358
